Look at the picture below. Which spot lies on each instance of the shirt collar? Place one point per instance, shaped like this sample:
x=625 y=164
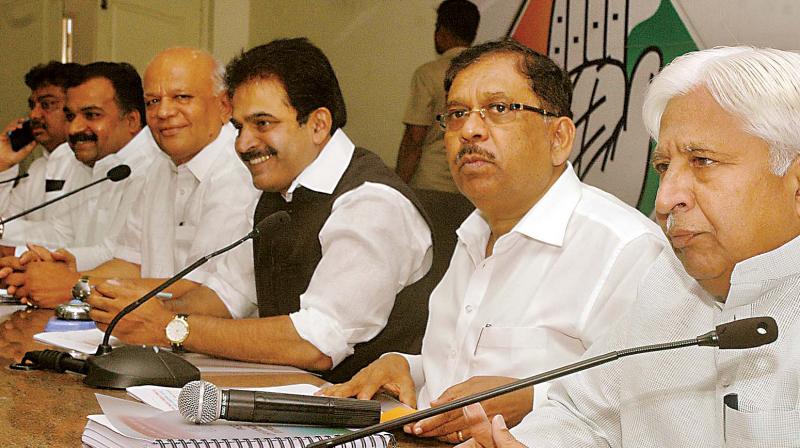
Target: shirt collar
x=202 y=164
x=452 y=52
x=546 y=221
x=775 y=264
x=58 y=151
x=323 y=173
x=132 y=150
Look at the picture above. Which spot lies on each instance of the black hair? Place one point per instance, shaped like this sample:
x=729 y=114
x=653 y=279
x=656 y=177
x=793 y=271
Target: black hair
x=548 y=81
x=460 y=17
x=53 y=73
x=128 y=91
x=302 y=69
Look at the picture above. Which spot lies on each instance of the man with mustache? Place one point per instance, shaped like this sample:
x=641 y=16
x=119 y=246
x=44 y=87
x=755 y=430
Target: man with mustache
x=332 y=288
x=197 y=196
x=542 y=267
x=725 y=122
x=47 y=174
x=104 y=111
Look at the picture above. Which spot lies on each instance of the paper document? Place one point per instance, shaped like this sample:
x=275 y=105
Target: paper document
x=83 y=341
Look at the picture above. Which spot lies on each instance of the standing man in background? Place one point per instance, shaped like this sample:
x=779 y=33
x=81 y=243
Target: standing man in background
x=47 y=174
x=421 y=159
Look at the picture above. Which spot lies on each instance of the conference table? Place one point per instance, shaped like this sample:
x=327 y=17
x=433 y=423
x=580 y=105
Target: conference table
x=49 y=409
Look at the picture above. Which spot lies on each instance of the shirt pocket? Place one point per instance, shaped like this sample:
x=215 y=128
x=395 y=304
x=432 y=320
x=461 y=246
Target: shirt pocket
x=509 y=351
x=762 y=429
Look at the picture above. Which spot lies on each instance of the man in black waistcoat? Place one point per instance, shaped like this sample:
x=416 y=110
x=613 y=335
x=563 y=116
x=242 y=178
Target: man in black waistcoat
x=330 y=286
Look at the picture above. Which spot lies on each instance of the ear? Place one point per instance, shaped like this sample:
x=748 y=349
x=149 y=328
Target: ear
x=319 y=124
x=225 y=108
x=133 y=122
x=792 y=176
x=562 y=134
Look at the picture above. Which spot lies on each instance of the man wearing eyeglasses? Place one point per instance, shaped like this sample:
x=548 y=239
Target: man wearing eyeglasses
x=541 y=269
x=46 y=175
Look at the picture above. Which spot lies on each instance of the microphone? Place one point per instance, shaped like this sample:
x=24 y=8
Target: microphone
x=21 y=176
x=115 y=174
x=203 y=402
x=138 y=365
x=739 y=334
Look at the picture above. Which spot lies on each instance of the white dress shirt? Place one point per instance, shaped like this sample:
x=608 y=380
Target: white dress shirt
x=98 y=212
x=30 y=191
x=186 y=212
x=675 y=398
x=551 y=287
x=374 y=243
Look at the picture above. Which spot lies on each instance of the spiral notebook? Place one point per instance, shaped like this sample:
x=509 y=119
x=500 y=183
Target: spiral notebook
x=126 y=423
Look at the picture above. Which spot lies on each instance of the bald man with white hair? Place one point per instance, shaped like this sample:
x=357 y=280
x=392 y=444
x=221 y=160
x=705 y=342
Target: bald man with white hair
x=196 y=187
x=726 y=124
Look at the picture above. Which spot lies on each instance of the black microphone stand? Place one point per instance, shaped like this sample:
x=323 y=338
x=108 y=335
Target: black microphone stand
x=132 y=365
x=136 y=365
x=748 y=333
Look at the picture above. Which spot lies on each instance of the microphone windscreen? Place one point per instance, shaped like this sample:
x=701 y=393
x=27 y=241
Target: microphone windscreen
x=200 y=402
x=271 y=223
x=118 y=173
x=747 y=333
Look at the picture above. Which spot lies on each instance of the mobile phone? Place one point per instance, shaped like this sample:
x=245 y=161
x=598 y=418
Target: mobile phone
x=20 y=137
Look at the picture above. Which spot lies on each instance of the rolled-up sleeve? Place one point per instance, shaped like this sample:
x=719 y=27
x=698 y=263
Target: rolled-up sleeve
x=374 y=243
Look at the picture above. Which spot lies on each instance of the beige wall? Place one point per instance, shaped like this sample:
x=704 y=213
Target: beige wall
x=374 y=46
x=30 y=33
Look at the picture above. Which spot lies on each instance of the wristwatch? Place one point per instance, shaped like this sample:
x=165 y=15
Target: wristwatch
x=177 y=331
x=82 y=289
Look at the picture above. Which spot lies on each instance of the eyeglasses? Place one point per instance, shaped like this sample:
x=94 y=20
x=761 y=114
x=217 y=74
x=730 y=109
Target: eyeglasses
x=47 y=104
x=494 y=113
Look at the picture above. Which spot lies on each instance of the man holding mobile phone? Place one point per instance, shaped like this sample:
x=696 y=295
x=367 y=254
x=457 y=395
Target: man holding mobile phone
x=48 y=127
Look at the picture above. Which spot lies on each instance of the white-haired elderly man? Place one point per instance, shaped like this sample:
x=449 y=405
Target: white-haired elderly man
x=198 y=196
x=726 y=123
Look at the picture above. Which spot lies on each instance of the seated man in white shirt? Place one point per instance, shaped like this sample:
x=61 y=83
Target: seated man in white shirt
x=330 y=286
x=104 y=110
x=194 y=185
x=542 y=267
x=47 y=175
x=725 y=121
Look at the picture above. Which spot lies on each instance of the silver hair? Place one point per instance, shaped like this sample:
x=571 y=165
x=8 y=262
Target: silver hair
x=218 y=77
x=760 y=86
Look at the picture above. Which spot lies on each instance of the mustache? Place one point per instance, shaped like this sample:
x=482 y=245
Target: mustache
x=74 y=139
x=670 y=222
x=37 y=123
x=470 y=149
x=255 y=153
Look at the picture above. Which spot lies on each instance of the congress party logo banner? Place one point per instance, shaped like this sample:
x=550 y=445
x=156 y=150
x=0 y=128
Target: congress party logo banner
x=611 y=49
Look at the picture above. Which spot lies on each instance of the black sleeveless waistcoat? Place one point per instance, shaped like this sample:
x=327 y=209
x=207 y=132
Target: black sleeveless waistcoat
x=286 y=260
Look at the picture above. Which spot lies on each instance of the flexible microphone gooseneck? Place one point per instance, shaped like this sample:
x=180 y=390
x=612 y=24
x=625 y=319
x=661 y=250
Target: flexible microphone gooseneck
x=272 y=221
x=138 y=365
x=115 y=174
x=738 y=334
x=203 y=402
x=21 y=176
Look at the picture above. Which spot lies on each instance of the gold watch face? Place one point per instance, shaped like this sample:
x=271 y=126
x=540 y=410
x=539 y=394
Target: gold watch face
x=177 y=330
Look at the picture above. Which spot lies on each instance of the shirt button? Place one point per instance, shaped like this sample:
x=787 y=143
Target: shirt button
x=468 y=308
x=452 y=353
